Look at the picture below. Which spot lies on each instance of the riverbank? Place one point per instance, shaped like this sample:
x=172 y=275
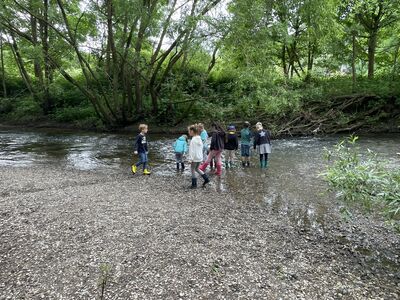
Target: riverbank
x=71 y=234
x=388 y=127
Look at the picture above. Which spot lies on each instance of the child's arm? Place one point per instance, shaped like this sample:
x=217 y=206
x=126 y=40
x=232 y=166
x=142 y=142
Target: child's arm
x=255 y=141
x=236 y=143
x=136 y=144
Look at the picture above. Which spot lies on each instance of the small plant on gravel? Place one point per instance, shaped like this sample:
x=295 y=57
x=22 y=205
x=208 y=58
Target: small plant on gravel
x=105 y=270
x=216 y=268
x=365 y=181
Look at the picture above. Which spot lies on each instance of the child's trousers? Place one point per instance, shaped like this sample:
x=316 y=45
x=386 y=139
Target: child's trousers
x=143 y=160
x=194 y=168
x=218 y=161
x=230 y=155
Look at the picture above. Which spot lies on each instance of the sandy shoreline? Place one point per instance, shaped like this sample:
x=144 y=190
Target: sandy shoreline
x=65 y=234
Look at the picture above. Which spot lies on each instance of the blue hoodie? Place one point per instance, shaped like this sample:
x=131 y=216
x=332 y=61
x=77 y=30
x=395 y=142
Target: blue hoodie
x=180 y=145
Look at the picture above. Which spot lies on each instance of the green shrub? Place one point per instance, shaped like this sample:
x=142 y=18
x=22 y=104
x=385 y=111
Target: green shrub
x=71 y=114
x=365 y=181
x=6 y=106
x=26 y=109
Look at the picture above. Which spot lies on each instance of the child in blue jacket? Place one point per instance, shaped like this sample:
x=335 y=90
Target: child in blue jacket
x=180 y=148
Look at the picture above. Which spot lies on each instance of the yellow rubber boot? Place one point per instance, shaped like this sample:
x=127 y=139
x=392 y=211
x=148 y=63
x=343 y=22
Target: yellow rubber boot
x=146 y=172
x=134 y=169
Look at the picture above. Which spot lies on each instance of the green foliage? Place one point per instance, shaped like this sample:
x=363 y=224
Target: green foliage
x=26 y=109
x=365 y=181
x=271 y=59
x=71 y=114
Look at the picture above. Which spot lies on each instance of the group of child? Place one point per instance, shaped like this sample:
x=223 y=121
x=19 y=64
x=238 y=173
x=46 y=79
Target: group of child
x=201 y=155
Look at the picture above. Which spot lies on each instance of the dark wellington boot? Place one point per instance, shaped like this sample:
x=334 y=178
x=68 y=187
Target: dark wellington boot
x=206 y=179
x=194 y=183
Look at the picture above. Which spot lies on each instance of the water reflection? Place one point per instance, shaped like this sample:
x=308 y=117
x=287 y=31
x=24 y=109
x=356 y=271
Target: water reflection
x=290 y=186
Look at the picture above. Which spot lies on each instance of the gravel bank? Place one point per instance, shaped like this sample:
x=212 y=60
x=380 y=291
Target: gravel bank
x=73 y=234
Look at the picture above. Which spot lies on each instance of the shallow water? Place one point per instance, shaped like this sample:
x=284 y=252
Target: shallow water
x=290 y=187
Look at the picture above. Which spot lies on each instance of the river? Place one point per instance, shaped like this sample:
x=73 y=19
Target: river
x=290 y=186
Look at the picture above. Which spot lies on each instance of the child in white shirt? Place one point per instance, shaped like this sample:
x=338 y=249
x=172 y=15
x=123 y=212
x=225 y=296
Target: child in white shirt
x=196 y=155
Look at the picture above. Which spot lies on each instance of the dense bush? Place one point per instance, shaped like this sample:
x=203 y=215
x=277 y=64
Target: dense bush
x=21 y=109
x=364 y=180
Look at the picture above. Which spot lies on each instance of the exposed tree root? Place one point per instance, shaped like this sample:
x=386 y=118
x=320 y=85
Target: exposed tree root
x=347 y=113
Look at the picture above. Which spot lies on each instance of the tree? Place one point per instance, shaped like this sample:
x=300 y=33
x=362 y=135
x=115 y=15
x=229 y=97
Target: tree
x=373 y=16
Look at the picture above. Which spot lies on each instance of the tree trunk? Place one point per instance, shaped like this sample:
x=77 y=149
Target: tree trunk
x=372 y=42
x=44 y=31
x=353 y=62
x=136 y=65
x=3 y=71
x=112 y=48
x=310 y=60
x=284 y=65
x=21 y=66
x=36 y=61
x=396 y=56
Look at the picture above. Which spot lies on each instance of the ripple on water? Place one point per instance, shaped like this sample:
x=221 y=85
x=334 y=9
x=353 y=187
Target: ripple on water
x=290 y=187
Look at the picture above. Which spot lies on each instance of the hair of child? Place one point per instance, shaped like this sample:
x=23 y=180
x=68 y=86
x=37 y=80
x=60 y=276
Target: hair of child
x=142 y=127
x=194 y=128
x=216 y=126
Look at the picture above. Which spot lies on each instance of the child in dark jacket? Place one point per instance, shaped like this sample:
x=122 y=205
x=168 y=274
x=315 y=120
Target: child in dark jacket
x=262 y=141
x=231 y=146
x=245 y=143
x=180 y=148
x=141 y=149
x=216 y=148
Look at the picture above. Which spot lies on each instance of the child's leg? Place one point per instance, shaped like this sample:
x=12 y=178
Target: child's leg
x=144 y=160
x=140 y=162
x=227 y=158
x=178 y=158
x=202 y=174
x=243 y=155
x=205 y=164
x=247 y=158
x=266 y=160
x=193 y=169
x=197 y=169
x=218 y=162
x=232 y=158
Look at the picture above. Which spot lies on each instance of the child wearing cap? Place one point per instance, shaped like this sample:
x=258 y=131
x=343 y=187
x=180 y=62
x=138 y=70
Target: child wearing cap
x=231 y=146
x=245 y=142
x=262 y=141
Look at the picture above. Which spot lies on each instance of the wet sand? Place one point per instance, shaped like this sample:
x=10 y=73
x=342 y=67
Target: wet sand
x=68 y=234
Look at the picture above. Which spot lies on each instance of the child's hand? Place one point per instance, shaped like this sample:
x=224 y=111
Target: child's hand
x=136 y=153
